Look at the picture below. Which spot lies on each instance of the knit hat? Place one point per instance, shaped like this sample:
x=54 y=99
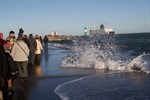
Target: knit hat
x=11 y=32
x=1 y=35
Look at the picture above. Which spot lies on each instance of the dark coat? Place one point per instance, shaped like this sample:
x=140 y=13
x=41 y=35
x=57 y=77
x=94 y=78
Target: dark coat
x=2 y=42
x=33 y=44
x=12 y=66
x=45 y=40
x=26 y=41
x=3 y=62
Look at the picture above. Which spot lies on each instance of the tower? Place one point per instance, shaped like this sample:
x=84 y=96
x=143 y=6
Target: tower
x=85 y=31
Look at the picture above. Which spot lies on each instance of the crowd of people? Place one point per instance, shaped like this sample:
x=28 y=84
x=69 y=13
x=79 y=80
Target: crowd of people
x=16 y=54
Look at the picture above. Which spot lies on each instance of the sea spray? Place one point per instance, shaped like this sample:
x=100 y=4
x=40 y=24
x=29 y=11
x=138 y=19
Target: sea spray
x=99 y=51
x=140 y=63
x=91 y=51
x=113 y=55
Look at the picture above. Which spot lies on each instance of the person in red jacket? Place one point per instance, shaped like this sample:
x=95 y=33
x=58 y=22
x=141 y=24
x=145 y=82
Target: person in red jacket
x=2 y=41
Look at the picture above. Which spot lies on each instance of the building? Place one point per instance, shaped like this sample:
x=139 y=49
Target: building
x=55 y=37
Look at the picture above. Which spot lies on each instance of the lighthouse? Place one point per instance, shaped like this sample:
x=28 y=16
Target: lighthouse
x=85 y=31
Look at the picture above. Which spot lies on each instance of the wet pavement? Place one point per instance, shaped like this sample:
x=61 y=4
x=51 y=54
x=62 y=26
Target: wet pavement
x=46 y=76
x=108 y=86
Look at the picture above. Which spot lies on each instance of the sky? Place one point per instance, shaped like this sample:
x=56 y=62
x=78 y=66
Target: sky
x=69 y=17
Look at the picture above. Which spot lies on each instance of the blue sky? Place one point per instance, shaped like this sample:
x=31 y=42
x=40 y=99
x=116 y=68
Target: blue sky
x=69 y=17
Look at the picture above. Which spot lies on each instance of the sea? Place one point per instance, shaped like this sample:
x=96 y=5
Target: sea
x=125 y=58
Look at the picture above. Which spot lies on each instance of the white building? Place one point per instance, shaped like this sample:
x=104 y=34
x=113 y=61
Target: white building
x=54 y=33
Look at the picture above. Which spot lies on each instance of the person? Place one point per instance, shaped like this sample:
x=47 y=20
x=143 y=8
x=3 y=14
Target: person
x=45 y=43
x=32 y=48
x=3 y=69
x=21 y=31
x=38 y=49
x=11 y=38
x=41 y=40
x=26 y=40
x=7 y=46
x=12 y=73
x=20 y=53
x=45 y=40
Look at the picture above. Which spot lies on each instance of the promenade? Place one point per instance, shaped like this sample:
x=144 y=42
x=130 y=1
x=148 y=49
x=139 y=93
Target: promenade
x=46 y=76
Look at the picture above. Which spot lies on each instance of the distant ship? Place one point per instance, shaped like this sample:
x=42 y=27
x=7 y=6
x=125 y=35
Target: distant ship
x=102 y=30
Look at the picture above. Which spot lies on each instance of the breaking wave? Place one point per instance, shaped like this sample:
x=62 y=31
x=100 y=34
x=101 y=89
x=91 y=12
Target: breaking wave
x=100 y=51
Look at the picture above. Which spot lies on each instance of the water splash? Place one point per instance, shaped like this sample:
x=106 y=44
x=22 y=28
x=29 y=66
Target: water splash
x=100 y=52
x=140 y=63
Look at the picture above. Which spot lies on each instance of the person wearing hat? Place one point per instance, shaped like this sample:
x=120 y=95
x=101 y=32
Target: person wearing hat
x=11 y=38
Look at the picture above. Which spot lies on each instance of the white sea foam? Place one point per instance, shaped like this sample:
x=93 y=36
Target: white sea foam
x=108 y=85
x=64 y=95
x=99 y=52
x=141 y=63
x=60 y=87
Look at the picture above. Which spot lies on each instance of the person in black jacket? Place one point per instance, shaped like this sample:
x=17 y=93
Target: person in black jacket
x=45 y=40
x=12 y=72
x=3 y=69
x=26 y=40
x=32 y=49
x=21 y=31
x=3 y=57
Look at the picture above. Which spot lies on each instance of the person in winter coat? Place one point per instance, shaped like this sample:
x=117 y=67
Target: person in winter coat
x=12 y=74
x=45 y=40
x=38 y=49
x=32 y=49
x=41 y=40
x=11 y=38
x=12 y=67
x=26 y=40
x=20 y=53
x=3 y=57
x=3 y=69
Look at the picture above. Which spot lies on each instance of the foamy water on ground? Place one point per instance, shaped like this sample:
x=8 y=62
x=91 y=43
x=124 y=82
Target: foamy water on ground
x=100 y=52
x=109 y=86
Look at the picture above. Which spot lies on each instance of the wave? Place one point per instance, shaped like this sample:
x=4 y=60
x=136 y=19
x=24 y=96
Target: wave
x=100 y=52
x=140 y=63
